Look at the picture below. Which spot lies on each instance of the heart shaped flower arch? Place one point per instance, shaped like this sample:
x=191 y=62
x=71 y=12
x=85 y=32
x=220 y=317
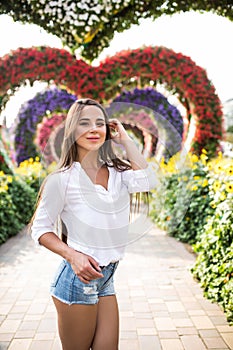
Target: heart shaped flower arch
x=177 y=72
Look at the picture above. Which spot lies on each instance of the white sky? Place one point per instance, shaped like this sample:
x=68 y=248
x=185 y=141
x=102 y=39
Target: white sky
x=205 y=38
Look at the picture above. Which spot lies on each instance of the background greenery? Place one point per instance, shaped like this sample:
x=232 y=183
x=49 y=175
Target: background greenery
x=194 y=204
x=89 y=25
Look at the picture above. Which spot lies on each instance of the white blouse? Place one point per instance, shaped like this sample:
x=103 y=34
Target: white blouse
x=96 y=219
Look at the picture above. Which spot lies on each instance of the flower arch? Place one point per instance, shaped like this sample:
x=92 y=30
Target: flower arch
x=47 y=133
x=32 y=113
x=34 y=130
x=164 y=115
x=177 y=72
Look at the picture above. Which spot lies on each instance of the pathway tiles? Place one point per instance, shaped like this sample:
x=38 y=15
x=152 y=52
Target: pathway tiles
x=161 y=306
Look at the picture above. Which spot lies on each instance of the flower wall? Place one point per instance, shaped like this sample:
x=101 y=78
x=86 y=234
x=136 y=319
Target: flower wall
x=177 y=72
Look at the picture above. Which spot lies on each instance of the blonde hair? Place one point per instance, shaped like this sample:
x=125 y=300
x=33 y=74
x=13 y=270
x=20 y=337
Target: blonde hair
x=69 y=153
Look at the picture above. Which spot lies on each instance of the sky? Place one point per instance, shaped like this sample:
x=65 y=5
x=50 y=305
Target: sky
x=206 y=38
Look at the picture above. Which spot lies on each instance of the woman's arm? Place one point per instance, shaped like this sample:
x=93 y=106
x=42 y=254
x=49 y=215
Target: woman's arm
x=84 y=266
x=42 y=230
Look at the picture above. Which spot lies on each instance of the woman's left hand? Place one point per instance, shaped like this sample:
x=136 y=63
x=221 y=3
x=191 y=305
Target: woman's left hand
x=118 y=132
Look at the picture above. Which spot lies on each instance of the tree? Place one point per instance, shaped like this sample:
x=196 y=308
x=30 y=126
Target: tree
x=89 y=25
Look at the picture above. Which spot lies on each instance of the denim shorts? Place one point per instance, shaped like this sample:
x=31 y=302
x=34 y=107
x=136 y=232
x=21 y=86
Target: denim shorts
x=67 y=287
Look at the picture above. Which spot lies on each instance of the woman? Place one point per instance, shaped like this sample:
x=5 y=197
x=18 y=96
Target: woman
x=90 y=193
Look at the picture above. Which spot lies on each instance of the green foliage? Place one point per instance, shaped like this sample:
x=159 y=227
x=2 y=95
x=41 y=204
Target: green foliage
x=24 y=198
x=90 y=25
x=10 y=225
x=197 y=208
x=230 y=129
x=214 y=264
x=17 y=200
x=184 y=208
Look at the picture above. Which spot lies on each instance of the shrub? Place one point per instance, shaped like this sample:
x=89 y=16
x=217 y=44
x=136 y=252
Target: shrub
x=181 y=206
x=10 y=225
x=23 y=198
x=213 y=266
x=18 y=194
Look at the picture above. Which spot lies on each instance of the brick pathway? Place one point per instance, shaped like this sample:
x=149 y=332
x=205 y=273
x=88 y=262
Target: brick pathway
x=161 y=306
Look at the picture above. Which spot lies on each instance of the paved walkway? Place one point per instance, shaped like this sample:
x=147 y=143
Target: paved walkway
x=161 y=306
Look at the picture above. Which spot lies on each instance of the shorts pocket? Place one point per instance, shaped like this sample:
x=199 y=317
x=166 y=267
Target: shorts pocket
x=58 y=273
x=112 y=268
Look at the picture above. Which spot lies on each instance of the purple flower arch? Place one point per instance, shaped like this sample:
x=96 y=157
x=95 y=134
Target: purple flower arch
x=165 y=116
x=32 y=113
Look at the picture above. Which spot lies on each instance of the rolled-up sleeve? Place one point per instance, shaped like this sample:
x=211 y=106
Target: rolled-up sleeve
x=142 y=180
x=49 y=208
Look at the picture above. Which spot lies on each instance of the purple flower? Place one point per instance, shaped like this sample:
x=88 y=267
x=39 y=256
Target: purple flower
x=165 y=115
x=32 y=113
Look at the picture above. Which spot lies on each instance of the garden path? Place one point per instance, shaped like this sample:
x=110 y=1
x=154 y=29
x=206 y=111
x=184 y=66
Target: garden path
x=161 y=306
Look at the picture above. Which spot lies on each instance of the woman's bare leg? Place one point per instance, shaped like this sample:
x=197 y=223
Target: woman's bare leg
x=107 y=328
x=76 y=325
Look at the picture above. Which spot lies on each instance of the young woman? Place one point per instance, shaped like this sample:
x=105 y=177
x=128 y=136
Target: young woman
x=90 y=193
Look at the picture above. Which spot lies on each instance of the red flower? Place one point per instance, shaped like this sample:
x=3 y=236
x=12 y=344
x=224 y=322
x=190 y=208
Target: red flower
x=178 y=72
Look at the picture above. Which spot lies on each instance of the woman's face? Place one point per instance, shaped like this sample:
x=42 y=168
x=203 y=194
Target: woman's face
x=91 y=129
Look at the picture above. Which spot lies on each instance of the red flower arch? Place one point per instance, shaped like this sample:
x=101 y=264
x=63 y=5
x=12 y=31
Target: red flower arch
x=178 y=72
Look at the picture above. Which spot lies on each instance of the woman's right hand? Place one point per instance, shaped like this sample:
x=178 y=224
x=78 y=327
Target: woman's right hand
x=85 y=267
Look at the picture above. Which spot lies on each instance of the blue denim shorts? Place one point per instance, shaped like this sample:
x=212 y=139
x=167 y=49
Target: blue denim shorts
x=67 y=287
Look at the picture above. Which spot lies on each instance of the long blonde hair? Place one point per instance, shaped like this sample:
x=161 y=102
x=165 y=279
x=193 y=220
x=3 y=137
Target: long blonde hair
x=69 y=150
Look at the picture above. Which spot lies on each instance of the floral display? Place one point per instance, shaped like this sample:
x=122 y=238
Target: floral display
x=177 y=72
x=194 y=204
x=165 y=116
x=32 y=113
x=142 y=121
x=90 y=24
x=47 y=132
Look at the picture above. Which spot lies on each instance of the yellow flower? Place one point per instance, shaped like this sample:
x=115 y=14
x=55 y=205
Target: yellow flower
x=37 y=159
x=194 y=188
x=203 y=158
x=9 y=179
x=222 y=196
x=218 y=169
x=5 y=187
x=196 y=177
x=205 y=183
x=216 y=185
x=229 y=171
x=194 y=158
x=204 y=151
x=213 y=205
x=229 y=187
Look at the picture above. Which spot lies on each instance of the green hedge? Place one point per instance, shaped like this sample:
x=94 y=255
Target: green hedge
x=194 y=203
x=214 y=263
x=182 y=205
x=17 y=200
